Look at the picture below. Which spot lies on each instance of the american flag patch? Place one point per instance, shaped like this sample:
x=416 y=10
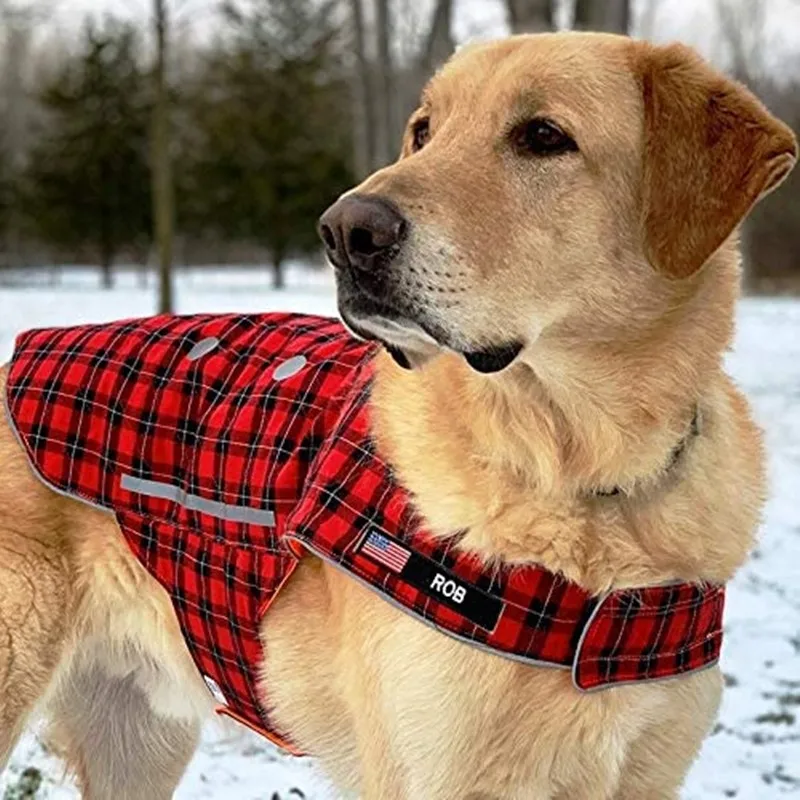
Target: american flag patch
x=385 y=551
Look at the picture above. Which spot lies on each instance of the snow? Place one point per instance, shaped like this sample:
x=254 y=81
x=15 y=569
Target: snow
x=754 y=753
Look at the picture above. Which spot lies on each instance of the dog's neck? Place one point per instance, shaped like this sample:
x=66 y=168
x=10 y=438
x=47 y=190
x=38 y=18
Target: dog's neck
x=576 y=415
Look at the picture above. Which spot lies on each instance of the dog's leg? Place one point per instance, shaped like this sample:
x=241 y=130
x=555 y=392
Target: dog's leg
x=34 y=601
x=120 y=749
x=660 y=758
x=35 y=591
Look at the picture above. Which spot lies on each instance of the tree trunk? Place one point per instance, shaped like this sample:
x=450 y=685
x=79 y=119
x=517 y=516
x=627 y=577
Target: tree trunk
x=613 y=16
x=18 y=25
x=278 y=273
x=530 y=16
x=107 y=266
x=386 y=129
x=363 y=98
x=163 y=193
x=439 y=41
x=436 y=48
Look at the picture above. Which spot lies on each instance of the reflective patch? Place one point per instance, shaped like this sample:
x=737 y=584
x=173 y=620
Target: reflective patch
x=203 y=348
x=227 y=511
x=213 y=687
x=289 y=367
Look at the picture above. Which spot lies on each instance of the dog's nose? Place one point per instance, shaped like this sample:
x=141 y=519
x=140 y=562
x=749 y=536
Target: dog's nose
x=362 y=231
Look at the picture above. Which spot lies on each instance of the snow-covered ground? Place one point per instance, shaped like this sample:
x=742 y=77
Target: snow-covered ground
x=754 y=753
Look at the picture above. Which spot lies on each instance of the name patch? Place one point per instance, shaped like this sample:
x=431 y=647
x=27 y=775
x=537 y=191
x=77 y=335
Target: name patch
x=432 y=579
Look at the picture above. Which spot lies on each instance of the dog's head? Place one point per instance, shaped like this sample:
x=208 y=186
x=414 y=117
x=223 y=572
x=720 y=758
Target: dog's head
x=544 y=181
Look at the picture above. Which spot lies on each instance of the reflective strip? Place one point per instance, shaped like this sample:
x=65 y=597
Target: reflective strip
x=202 y=348
x=166 y=491
x=289 y=368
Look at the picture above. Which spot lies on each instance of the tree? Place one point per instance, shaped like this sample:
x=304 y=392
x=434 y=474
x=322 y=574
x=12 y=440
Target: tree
x=439 y=43
x=362 y=95
x=530 y=16
x=742 y=28
x=386 y=79
x=385 y=90
x=86 y=183
x=271 y=136
x=613 y=16
x=161 y=169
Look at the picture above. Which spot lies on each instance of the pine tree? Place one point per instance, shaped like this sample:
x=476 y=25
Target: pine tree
x=87 y=182
x=271 y=125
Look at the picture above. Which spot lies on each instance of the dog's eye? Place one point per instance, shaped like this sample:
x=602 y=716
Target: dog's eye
x=540 y=137
x=420 y=133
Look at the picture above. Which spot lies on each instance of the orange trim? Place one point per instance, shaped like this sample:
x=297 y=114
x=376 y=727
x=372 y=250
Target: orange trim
x=264 y=607
x=296 y=548
x=267 y=734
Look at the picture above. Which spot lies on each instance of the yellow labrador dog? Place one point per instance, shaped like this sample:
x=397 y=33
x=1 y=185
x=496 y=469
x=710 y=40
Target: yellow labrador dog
x=553 y=265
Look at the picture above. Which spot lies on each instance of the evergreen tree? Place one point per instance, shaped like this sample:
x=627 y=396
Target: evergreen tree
x=271 y=130
x=87 y=181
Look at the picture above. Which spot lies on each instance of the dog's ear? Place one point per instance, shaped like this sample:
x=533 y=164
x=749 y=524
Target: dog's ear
x=711 y=151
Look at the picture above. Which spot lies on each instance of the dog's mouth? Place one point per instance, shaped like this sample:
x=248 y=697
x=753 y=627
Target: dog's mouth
x=412 y=341
x=494 y=359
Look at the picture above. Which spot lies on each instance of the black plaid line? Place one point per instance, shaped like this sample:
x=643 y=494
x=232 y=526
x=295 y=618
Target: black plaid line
x=540 y=614
x=148 y=539
x=141 y=468
x=161 y=376
x=19 y=388
x=682 y=659
x=50 y=389
x=98 y=360
x=216 y=654
x=85 y=397
x=309 y=447
x=607 y=664
x=369 y=515
x=39 y=436
x=333 y=496
x=130 y=367
x=186 y=430
x=179 y=547
x=74 y=445
x=116 y=412
x=203 y=565
x=205 y=606
x=147 y=421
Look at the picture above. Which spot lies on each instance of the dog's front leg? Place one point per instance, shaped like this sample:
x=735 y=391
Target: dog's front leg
x=34 y=611
x=109 y=734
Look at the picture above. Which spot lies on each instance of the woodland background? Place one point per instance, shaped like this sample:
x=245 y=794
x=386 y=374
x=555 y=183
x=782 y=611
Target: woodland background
x=165 y=143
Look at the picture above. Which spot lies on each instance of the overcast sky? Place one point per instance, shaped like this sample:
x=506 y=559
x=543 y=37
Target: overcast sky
x=692 y=21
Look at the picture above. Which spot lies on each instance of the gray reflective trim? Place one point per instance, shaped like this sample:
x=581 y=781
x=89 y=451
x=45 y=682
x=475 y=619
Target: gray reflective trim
x=289 y=367
x=203 y=347
x=227 y=511
x=163 y=491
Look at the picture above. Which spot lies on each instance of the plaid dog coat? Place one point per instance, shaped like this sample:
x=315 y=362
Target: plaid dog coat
x=229 y=446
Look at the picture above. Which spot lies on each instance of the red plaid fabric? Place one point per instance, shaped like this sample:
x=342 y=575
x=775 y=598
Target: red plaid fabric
x=217 y=441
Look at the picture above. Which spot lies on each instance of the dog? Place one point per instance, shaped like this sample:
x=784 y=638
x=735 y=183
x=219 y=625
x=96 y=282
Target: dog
x=545 y=281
